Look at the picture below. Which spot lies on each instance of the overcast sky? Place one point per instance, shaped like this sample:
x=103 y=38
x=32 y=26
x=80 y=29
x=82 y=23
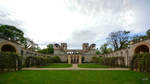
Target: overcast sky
x=75 y=21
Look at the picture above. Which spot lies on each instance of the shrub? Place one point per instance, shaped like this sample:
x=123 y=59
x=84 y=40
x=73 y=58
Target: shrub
x=37 y=61
x=95 y=59
x=56 y=59
x=9 y=61
x=41 y=60
x=113 y=61
x=141 y=62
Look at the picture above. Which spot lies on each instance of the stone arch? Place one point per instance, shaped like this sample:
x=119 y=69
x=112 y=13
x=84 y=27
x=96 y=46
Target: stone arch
x=8 y=47
x=141 y=49
x=143 y=46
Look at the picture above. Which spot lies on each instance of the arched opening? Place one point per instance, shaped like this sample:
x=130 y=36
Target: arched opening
x=141 y=49
x=8 y=48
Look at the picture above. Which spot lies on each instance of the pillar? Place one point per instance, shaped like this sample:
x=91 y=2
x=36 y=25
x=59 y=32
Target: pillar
x=80 y=59
x=69 y=59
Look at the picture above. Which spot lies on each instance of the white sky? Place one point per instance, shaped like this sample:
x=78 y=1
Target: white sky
x=75 y=21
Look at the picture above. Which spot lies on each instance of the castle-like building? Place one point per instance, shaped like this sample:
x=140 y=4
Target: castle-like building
x=78 y=55
x=75 y=55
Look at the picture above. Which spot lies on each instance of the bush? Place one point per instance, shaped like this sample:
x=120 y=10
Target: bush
x=9 y=61
x=41 y=60
x=141 y=62
x=95 y=59
x=37 y=61
x=56 y=59
x=113 y=61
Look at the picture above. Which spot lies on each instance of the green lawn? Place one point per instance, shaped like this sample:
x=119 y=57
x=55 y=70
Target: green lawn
x=73 y=77
x=57 y=66
x=92 y=66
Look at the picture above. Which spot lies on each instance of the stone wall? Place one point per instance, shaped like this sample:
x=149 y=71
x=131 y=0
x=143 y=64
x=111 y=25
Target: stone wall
x=129 y=52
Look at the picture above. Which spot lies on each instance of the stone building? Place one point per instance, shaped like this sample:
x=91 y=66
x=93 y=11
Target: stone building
x=134 y=48
x=12 y=46
x=78 y=55
x=66 y=55
x=75 y=55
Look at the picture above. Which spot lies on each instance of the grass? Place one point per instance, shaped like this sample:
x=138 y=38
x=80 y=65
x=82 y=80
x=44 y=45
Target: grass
x=92 y=66
x=57 y=66
x=73 y=77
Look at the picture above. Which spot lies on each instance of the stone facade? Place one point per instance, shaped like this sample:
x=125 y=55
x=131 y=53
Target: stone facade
x=78 y=55
x=75 y=55
x=8 y=45
x=128 y=53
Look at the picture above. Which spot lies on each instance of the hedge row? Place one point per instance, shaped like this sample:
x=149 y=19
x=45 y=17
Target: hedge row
x=10 y=61
x=141 y=62
x=41 y=60
x=113 y=61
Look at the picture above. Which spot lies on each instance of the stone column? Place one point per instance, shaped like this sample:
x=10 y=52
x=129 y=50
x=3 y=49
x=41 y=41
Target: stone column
x=80 y=59
x=69 y=59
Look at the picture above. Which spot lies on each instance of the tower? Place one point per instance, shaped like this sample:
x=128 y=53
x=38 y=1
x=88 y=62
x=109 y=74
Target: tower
x=64 y=46
x=85 y=46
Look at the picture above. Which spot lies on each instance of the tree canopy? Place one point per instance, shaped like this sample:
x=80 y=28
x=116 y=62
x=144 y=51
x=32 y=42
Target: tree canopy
x=12 y=33
x=48 y=50
x=119 y=39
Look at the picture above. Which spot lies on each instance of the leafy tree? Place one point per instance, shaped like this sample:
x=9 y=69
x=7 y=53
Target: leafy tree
x=119 y=39
x=148 y=33
x=104 y=49
x=48 y=50
x=137 y=38
x=12 y=33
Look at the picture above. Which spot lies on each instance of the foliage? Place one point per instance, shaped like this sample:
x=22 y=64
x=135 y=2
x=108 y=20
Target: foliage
x=37 y=61
x=118 y=40
x=98 y=52
x=57 y=66
x=41 y=60
x=148 y=33
x=12 y=33
x=10 y=61
x=141 y=62
x=92 y=66
x=95 y=59
x=104 y=49
x=113 y=61
x=56 y=59
x=48 y=50
x=138 y=38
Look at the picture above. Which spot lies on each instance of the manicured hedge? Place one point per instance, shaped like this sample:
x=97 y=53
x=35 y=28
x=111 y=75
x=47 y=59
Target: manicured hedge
x=41 y=60
x=113 y=61
x=10 y=61
x=141 y=62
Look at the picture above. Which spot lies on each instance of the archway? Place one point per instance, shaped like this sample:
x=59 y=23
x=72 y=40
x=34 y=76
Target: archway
x=141 y=49
x=8 y=48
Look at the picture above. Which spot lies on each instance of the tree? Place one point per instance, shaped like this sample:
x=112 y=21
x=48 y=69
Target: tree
x=104 y=49
x=148 y=33
x=48 y=50
x=137 y=38
x=12 y=33
x=119 y=39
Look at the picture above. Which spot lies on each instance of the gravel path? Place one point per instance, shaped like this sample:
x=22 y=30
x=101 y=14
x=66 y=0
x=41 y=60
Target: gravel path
x=75 y=67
